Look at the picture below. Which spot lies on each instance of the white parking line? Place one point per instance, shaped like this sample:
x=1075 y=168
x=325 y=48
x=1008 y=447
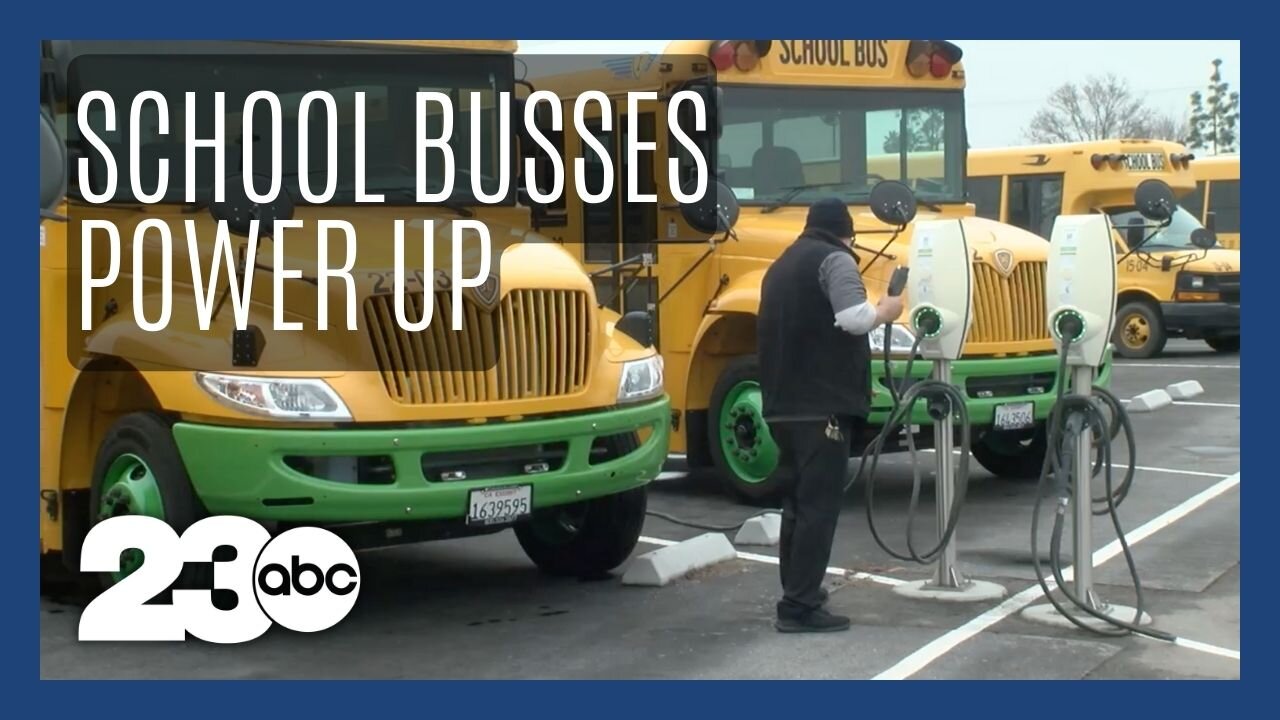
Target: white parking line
x=1177 y=365
x=770 y=560
x=1126 y=401
x=1147 y=468
x=920 y=659
x=1206 y=404
x=1171 y=471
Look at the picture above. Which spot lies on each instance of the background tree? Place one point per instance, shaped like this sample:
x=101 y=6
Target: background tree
x=1214 y=115
x=1100 y=108
x=926 y=130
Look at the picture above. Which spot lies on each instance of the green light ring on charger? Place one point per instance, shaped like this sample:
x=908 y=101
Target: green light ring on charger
x=915 y=321
x=1057 y=323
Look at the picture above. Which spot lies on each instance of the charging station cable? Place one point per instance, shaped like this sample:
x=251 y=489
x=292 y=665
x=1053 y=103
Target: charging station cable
x=1071 y=416
x=943 y=398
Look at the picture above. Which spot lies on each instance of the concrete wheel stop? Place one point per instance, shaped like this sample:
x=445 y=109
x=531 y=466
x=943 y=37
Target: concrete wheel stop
x=1150 y=401
x=659 y=567
x=765 y=530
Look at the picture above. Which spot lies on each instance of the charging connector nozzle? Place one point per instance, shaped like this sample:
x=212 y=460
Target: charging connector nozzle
x=1069 y=325
x=928 y=321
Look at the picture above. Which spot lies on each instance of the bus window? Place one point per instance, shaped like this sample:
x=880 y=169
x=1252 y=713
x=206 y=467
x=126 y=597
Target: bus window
x=1224 y=202
x=1050 y=204
x=1193 y=202
x=984 y=192
x=600 y=220
x=1035 y=201
x=640 y=219
x=841 y=142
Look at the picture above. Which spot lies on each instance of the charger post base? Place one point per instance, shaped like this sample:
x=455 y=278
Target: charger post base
x=1047 y=614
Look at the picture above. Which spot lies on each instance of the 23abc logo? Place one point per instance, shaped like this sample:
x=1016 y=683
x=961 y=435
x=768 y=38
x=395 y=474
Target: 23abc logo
x=305 y=579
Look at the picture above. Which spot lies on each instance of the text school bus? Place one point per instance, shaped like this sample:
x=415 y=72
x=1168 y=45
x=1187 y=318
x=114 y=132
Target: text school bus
x=1216 y=200
x=535 y=414
x=1168 y=289
x=797 y=120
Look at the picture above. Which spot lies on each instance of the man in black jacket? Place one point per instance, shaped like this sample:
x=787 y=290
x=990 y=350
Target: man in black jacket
x=815 y=365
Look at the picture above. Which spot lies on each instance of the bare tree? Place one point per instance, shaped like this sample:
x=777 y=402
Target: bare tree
x=1097 y=109
x=1167 y=127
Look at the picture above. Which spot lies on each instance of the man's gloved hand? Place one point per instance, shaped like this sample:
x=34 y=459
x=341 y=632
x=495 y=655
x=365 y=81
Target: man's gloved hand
x=888 y=309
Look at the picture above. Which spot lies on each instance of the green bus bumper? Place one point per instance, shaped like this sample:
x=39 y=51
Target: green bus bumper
x=242 y=471
x=987 y=382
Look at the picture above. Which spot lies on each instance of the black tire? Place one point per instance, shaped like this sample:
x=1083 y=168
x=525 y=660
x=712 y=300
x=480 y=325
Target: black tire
x=149 y=437
x=585 y=539
x=1140 y=330
x=1012 y=456
x=1224 y=343
x=761 y=490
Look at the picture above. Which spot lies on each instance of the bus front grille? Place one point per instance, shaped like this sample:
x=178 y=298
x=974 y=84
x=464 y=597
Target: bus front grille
x=534 y=344
x=1008 y=308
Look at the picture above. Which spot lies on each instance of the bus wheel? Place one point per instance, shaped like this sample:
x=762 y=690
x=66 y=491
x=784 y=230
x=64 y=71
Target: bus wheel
x=585 y=539
x=1224 y=343
x=140 y=472
x=1139 y=330
x=1015 y=455
x=742 y=449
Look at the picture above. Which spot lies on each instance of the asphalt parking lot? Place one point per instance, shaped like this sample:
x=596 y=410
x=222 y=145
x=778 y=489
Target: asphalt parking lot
x=477 y=608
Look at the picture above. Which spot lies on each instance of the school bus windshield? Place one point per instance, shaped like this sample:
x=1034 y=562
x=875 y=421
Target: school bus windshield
x=1176 y=235
x=790 y=145
x=389 y=84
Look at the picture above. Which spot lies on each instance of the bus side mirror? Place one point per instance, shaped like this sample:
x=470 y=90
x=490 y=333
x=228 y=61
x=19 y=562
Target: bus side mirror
x=637 y=325
x=716 y=212
x=1203 y=238
x=1154 y=200
x=1211 y=221
x=53 y=166
x=239 y=212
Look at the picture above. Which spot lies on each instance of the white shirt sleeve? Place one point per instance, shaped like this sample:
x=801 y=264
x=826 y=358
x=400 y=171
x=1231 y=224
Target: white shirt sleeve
x=840 y=279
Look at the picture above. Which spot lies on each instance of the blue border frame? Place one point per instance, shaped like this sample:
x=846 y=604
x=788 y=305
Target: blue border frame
x=1080 y=18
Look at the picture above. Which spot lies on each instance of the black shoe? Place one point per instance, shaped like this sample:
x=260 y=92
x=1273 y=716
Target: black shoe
x=813 y=621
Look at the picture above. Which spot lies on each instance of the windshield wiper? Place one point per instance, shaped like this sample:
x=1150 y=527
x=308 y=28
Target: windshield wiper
x=795 y=190
x=410 y=194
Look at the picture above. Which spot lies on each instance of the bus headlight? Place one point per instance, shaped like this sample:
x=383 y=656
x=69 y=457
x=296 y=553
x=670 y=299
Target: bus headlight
x=285 y=398
x=641 y=379
x=901 y=340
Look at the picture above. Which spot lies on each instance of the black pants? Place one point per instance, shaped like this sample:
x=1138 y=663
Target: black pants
x=814 y=468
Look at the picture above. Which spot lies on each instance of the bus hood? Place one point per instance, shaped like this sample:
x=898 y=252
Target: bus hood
x=1217 y=260
x=521 y=258
x=762 y=235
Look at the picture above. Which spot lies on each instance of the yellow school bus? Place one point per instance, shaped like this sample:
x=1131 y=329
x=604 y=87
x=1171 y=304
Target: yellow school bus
x=1196 y=295
x=556 y=434
x=796 y=120
x=1216 y=199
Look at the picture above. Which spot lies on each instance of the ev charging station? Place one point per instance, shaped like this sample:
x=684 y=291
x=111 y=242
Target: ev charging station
x=940 y=288
x=1080 y=302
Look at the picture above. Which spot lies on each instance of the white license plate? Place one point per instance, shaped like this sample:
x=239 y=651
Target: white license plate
x=493 y=506
x=1015 y=416
x=1144 y=161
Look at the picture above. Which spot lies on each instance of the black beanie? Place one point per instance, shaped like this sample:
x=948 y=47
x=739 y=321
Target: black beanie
x=830 y=215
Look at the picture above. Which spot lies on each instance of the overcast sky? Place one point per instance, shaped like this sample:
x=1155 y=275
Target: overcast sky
x=1009 y=79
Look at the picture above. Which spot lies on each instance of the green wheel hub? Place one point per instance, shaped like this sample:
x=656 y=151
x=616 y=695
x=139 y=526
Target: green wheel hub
x=749 y=449
x=129 y=488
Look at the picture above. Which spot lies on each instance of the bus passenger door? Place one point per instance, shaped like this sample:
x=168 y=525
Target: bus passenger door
x=615 y=235
x=1034 y=202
